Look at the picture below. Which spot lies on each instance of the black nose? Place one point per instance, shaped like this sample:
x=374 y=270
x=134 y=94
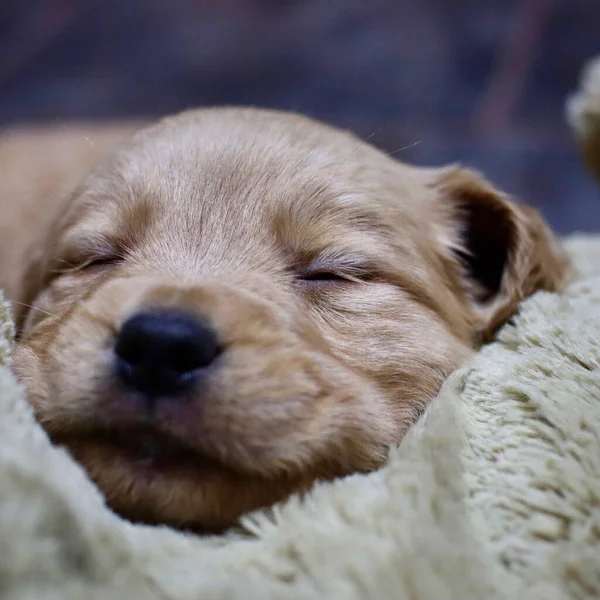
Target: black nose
x=161 y=352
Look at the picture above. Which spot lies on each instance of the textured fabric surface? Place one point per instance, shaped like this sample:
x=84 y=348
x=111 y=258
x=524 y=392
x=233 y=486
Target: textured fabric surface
x=495 y=493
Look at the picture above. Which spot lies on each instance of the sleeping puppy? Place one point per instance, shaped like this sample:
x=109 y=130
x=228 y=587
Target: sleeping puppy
x=238 y=303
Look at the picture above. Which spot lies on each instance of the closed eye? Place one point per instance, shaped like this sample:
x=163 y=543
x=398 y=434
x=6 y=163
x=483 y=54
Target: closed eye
x=84 y=265
x=101 y=261
x=341 y=269
x=323 y=276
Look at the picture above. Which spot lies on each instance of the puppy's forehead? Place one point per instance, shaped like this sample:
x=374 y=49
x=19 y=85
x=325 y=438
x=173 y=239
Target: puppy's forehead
x=240 y=177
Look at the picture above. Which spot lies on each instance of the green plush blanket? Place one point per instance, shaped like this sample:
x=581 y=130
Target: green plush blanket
x=495 y=493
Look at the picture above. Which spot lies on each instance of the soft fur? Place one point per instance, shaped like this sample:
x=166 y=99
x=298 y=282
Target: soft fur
x=493 y=494
x=343 y=287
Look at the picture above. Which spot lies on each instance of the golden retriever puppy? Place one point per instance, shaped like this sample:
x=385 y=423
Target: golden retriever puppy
x=238 y=303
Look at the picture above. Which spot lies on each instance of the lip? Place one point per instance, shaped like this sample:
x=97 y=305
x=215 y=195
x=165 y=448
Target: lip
x=154 y=449
x=150 y=447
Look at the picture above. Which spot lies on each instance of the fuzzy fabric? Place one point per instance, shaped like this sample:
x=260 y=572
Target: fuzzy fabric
x=583 y=112
x=494 y=494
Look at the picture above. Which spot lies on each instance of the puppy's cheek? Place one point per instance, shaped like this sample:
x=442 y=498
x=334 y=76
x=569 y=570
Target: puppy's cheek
x=395 y=341
x=66 y=378
x=62 y=357
x=289 y=409
x=27 y=366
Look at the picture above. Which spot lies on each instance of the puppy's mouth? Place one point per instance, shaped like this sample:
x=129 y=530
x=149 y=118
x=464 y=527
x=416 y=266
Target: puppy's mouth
x=147 y=448
x=151 y=448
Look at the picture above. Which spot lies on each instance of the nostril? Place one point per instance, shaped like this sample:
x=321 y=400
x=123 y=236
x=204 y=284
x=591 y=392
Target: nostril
x=162 y=351
x=190 y=356
x=193 y=353
x=129 y=349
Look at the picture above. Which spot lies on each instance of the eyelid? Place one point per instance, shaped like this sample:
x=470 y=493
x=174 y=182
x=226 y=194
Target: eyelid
x=99 y=261
x=351 y=268
x=80 y=254
x=330 y=268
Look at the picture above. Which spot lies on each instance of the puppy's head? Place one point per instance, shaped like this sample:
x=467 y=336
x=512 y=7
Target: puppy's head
x=239 y=302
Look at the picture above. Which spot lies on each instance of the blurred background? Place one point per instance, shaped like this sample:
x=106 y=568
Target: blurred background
x=483 y=82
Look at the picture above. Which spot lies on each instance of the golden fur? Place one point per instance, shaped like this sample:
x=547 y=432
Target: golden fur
x=343 y=285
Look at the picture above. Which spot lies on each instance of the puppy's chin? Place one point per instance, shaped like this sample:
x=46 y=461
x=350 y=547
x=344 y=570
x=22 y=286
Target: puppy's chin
x=183 y=489
x=152 y=477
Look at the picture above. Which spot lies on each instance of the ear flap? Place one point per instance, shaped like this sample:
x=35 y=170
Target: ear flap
x=504 y=251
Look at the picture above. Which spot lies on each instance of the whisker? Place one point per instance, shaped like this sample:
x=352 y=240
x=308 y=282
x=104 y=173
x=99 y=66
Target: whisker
x=359 y=141
x=33 y=308
x=373 y=134
x=404 y=148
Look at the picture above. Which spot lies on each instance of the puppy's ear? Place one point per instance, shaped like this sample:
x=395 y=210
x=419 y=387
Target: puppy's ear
x=502 y=251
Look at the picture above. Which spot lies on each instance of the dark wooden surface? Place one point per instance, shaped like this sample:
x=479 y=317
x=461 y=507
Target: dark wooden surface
x=478 y=81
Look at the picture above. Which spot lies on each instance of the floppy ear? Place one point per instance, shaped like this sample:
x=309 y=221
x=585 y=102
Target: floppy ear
x=503 y=252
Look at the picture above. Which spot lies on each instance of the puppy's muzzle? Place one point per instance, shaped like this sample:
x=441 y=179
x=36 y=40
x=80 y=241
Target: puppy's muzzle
x=163 y=352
